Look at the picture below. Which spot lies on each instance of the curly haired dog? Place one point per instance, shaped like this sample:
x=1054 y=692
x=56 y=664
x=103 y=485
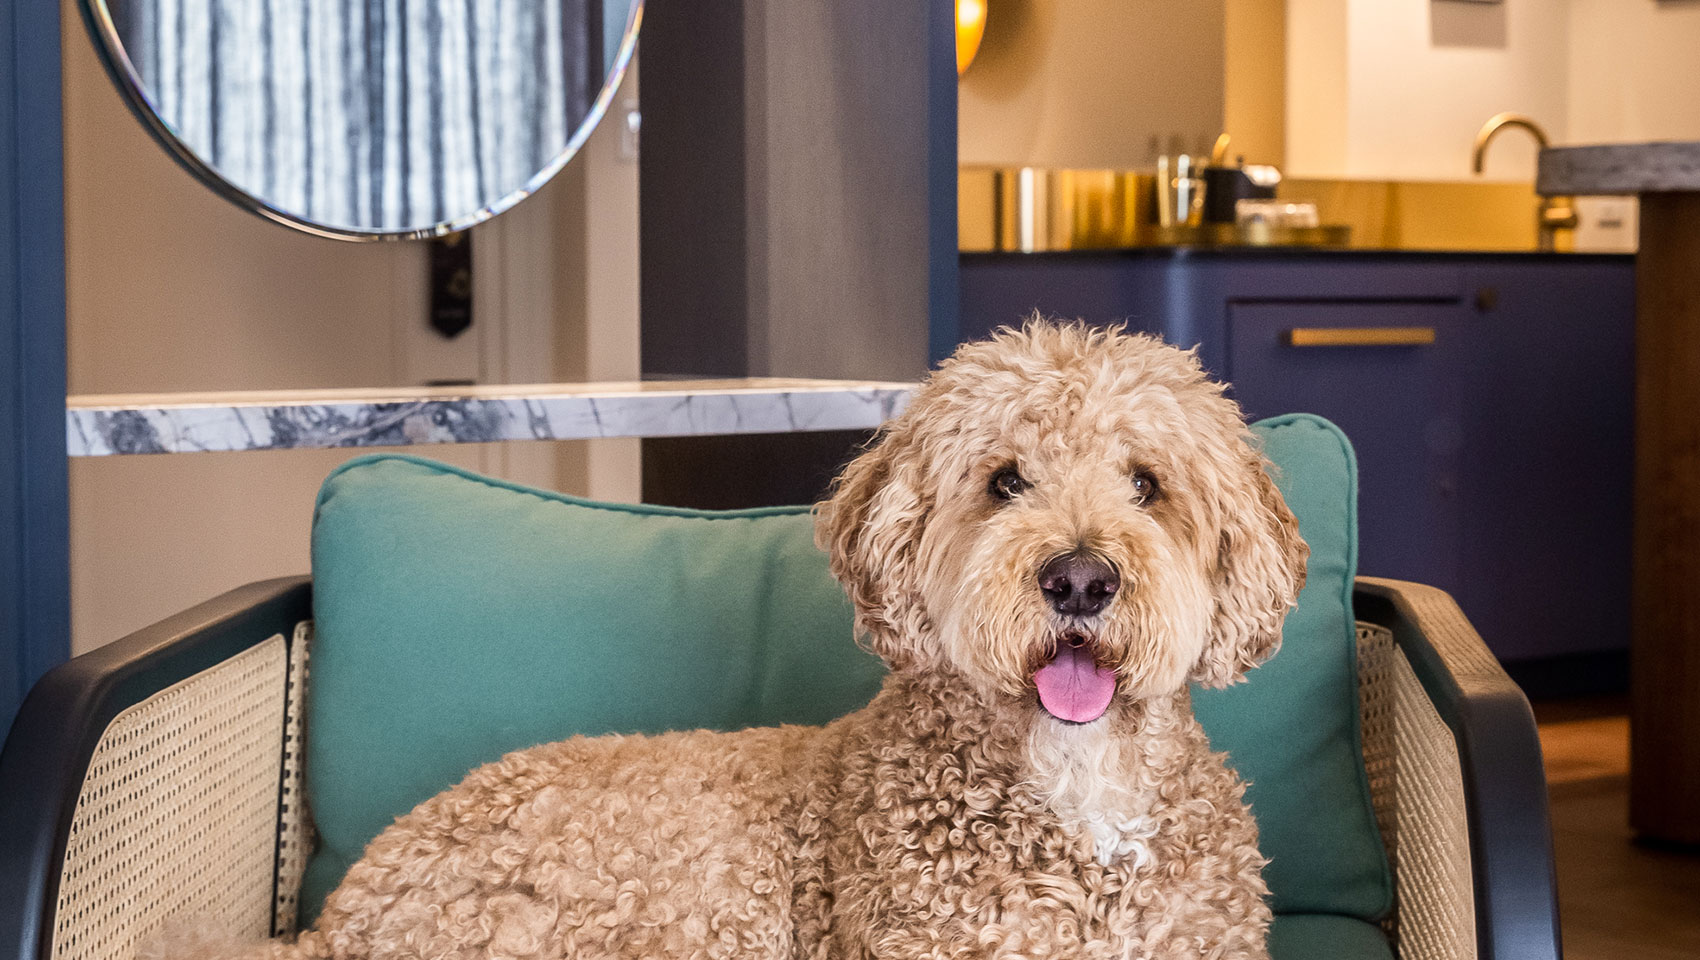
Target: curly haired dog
x=1064 y=529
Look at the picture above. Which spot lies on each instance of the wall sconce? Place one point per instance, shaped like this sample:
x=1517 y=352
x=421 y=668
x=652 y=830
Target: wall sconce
x=970 y=27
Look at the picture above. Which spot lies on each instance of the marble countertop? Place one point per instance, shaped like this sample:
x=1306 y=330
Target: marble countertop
x=1619 y=168
x=295 y=419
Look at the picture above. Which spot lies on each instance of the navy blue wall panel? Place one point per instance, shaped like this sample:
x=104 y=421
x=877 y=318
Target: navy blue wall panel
x=34 y=565
x=943 y=300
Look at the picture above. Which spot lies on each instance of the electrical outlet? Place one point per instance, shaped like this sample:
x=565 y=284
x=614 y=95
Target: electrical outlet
x=1607 y=224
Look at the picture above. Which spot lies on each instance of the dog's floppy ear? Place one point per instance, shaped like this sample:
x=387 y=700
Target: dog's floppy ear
x=1259 y=570
x=870 y=527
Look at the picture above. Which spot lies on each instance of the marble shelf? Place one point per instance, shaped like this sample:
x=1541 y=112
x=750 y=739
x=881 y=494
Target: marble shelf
x=110 y=425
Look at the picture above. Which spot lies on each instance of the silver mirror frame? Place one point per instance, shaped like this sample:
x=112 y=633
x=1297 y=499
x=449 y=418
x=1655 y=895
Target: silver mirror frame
x=104 y=34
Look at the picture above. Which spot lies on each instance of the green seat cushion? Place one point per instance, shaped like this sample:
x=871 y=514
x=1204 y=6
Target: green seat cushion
x=1322 y=936
x=460 y=617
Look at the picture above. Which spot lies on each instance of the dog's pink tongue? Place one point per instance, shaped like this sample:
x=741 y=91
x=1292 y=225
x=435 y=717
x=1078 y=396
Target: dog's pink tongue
x=1074 y=688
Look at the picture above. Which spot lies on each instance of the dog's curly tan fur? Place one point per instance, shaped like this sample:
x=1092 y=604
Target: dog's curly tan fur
x=954 y=816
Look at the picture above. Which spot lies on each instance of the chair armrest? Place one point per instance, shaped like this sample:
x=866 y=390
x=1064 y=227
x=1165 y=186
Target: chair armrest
x=86 y=766
x=1499 y=753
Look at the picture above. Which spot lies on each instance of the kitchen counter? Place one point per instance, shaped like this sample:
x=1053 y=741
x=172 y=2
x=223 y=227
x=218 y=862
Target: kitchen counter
x=1664 y=778
x=297 y=419
x=1030 y=210
x=1353 y=254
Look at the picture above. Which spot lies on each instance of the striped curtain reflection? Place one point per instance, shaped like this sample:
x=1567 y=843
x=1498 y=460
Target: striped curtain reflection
x=369 y=114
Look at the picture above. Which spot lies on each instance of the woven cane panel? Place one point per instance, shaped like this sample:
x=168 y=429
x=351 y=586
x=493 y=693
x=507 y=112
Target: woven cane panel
x=177 y=817
x=1375 y=700
x=295 y=826
x=1417 y=783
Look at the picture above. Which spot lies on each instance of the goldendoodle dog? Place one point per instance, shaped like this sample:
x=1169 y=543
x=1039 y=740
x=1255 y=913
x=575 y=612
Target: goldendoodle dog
x=1065 y=529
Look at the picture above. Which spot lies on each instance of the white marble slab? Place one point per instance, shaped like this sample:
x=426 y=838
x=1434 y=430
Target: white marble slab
x=99 y=426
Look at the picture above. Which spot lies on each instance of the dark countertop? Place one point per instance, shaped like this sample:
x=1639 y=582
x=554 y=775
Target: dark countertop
x=1619 y=168
x=1293 y=253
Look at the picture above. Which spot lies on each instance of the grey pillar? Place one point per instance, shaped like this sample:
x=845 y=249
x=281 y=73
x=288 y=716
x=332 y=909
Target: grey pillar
x=798 y=187
x=798 y=193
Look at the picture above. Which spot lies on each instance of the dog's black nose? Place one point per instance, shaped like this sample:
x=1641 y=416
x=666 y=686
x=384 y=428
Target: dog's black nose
x=1078 y=585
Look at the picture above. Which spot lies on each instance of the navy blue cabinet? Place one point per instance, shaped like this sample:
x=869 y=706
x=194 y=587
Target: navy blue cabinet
x=1396 y=403
x=1493 y=437
x=1548 y=462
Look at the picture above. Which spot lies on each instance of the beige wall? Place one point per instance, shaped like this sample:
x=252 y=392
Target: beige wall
x=171 y=288
x=1254 y=91
x=1317 y=83
x=1634 y=67
x=592 y=258
x=1396 y=89
x=1426 y=74
x=1093 y=83
x=1634 y=71
x=1332 y=89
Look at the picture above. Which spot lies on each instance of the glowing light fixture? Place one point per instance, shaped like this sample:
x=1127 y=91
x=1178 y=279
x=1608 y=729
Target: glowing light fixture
x=970 y=27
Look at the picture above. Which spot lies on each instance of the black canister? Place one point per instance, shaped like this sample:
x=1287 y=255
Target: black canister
x=1226 y=186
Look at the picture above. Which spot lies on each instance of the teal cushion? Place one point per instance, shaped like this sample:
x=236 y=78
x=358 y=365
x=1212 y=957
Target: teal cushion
x=460 y=617
x=1292 y=728
x=1321 y=936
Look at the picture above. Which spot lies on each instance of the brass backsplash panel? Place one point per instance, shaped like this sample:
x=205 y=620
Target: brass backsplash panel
x=1067 y=210
x=1115 y=209
x=1413 y=215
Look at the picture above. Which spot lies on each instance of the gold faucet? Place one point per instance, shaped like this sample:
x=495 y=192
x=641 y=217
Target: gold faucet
x=1552 y=214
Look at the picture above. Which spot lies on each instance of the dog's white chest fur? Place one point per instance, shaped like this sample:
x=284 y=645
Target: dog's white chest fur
x=1118 y=838
x=1088 y=778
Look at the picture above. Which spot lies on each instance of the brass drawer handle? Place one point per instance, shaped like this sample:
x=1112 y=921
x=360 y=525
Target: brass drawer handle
x=1358 y=336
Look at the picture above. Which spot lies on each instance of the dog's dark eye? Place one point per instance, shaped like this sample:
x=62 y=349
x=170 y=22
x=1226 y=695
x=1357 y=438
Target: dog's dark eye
x=1006 y=483
x=1144 y=487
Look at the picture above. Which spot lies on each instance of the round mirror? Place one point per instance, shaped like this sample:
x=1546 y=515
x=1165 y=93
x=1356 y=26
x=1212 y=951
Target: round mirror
x=363 y=119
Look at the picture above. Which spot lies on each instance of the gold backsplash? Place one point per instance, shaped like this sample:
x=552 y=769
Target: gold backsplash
x=1114 y=209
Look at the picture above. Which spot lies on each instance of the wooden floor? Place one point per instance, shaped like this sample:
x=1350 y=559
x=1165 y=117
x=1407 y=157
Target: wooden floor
x=1617 y=899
